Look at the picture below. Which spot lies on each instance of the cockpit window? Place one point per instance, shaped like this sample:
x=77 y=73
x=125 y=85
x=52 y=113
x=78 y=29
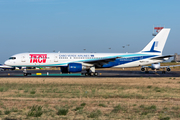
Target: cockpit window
x=12 y=58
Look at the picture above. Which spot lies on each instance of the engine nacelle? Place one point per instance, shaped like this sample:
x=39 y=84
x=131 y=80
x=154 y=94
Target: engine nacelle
x=168 y=69
x=74 y=67
x=142 y=69
x=165 y=59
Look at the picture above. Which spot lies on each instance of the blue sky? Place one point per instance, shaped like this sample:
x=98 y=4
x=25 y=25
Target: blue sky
x=94 y=25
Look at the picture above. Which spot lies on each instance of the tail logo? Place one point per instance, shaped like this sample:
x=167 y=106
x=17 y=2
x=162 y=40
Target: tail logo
x=155 y=44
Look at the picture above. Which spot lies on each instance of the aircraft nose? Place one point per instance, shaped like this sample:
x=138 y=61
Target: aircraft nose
x=156 y=67
x=6 y=62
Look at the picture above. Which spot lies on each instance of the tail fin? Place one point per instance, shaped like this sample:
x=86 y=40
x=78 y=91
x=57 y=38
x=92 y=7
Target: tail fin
x=156 y=45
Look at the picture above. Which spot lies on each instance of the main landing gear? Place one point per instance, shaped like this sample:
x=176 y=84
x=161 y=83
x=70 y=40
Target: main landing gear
x=146 y=70
x=164 y=71
x=155 y=71
x=91 y=72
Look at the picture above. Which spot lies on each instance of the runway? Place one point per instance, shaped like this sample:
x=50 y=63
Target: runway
x=102 y=73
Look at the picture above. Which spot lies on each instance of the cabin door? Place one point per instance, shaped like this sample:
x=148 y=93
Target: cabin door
x=56 y=58
x=23 y=59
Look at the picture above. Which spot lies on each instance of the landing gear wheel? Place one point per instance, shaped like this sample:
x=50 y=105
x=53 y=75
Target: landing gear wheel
x=92 y=74
x=86 y=74
x=96 y=74
x=25 y=74
x=163 y=72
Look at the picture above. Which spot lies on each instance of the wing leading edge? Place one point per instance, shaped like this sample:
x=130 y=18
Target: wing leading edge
x=162 y=57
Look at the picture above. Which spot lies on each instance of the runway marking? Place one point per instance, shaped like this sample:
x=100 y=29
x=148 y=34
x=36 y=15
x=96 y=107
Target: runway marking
x=38 y=73
x=52 y=75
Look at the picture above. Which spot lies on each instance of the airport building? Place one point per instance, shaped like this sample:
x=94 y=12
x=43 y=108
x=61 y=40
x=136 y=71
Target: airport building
x=176 y=57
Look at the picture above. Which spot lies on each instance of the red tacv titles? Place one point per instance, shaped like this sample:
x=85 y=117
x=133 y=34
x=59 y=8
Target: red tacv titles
x=38 y=58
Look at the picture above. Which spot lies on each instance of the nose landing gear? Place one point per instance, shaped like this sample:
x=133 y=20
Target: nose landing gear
x=25 y=73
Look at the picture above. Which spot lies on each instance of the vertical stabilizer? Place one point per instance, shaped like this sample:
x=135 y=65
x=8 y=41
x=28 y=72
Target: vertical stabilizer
x=156 y=45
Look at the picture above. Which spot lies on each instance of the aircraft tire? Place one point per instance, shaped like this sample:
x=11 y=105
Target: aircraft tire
x=96 y=74
x=25 y=74
x=86 y=74
x=91 y=74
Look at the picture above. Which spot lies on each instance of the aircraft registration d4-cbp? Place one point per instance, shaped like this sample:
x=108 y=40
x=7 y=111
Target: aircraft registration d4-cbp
x=77 y=62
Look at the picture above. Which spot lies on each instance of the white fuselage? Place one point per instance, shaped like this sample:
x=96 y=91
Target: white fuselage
x=63 y=59
x=76 y=62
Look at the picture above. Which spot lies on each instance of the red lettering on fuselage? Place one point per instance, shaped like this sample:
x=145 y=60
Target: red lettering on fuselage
x=38 y=58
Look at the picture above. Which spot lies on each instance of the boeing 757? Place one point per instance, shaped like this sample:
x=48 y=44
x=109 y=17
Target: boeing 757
x=77 y=62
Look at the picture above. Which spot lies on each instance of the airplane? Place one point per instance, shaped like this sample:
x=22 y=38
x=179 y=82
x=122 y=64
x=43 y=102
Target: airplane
x=157 y=66
x=79 y=62
x=5 y=67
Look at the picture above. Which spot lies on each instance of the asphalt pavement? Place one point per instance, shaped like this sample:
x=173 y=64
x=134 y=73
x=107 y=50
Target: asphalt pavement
x=102 y=73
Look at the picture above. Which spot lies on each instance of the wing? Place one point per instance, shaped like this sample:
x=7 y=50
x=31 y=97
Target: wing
x=4 y=66
x=169 y=66
x=101 y=62
x=162 y=57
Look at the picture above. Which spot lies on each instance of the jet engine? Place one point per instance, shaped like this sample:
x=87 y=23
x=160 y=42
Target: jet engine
x=142 y=69
x=168 y=69
x=73 y=67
